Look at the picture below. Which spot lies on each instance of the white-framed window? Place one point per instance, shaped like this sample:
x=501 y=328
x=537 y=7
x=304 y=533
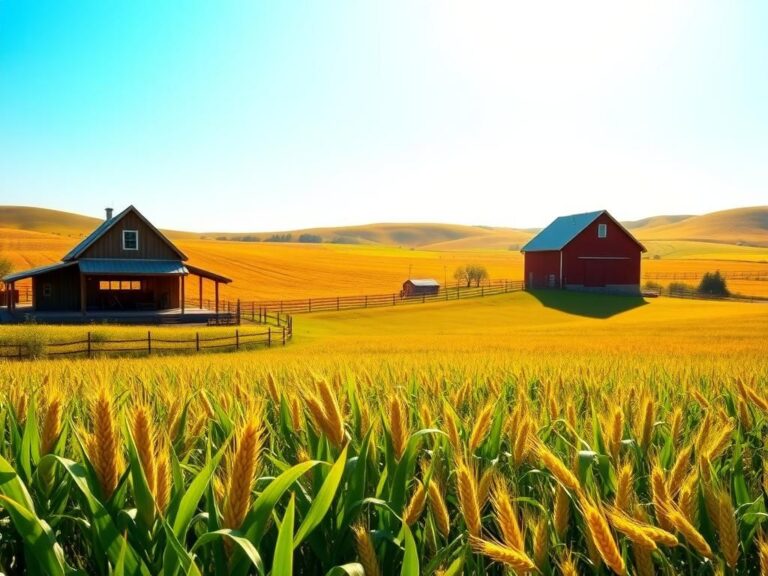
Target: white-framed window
x=130 y=239
x=602 y=230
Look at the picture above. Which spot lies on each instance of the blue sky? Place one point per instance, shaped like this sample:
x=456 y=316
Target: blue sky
x=216 y=116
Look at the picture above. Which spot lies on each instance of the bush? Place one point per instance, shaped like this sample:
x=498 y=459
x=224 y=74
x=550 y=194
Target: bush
x=310 y=239
x=33 y=340
x=5 y=267
x=651 y=285
x=279 y=238
x=713 y=284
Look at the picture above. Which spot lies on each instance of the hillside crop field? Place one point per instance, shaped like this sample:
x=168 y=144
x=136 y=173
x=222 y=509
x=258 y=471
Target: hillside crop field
x=553 y=434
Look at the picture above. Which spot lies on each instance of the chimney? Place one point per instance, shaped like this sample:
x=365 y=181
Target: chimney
x=109 y=213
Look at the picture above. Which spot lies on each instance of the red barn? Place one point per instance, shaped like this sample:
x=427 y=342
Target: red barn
x=590 y=251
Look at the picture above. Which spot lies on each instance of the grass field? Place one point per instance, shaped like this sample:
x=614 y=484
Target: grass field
x=534 y=432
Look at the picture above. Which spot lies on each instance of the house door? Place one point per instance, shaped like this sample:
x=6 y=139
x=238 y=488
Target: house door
x=551 y=281
x=594 y=273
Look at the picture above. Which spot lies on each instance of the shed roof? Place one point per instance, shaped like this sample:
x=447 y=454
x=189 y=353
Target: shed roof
x=109 y=266
x=105 y=226
x=23 y=274
x=423 y=282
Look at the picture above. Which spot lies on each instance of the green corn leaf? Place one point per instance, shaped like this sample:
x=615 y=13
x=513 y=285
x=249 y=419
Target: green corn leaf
x=12 y=486
x=323 y=500
x=411 y=558
x=175 y=556
x=104 y=529
x=30 y=443
x=282 y=564
x=351 y=569
x=145 y=502
x=37 y=537
x=236 y=538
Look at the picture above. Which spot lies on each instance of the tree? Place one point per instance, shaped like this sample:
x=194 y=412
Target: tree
x=471 y=273
x=714 y=284
x=462 y=275
x=5 y=267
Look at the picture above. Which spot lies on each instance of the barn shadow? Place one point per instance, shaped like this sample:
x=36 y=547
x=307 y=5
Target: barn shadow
x=585 y=304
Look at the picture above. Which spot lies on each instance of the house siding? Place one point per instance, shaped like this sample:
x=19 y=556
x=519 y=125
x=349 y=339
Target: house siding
x=151 y=246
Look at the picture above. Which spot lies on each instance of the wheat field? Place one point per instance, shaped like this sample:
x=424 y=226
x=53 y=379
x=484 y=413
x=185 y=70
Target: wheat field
x=459 y=438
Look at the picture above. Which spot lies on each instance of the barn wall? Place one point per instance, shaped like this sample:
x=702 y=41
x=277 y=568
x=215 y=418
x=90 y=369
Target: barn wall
x=538 y=268
x=64 y=290
x=151 y=246
x=594 y=262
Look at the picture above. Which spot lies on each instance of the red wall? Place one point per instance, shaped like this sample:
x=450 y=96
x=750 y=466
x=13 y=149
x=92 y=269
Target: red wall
x=580 y=271
x=541 y=265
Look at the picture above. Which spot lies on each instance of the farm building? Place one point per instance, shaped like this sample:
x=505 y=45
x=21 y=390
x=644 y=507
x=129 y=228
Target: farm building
x=420 y=287
x=590 y=251
x=124 y=265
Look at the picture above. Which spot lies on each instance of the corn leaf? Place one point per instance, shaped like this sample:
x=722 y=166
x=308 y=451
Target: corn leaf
x=282 y=564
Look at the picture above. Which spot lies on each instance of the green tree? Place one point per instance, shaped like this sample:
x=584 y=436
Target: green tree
x=714 y=284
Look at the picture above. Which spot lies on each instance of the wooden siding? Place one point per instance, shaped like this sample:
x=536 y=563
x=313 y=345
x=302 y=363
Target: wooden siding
x=151 y=246
x=64 y=290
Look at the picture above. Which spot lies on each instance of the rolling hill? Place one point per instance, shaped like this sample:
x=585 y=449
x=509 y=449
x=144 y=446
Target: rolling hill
x=745 y=226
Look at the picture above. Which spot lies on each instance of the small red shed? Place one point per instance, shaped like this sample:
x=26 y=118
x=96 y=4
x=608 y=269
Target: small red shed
x=591 y=251
x=420 y=287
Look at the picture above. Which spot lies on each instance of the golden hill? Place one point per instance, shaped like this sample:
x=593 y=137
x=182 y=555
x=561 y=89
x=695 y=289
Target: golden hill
x=738 y=226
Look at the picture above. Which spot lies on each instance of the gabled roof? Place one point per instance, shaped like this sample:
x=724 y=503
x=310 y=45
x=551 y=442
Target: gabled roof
x=107 y=225
x=565 y=228
x=424 y=282
x=21 y=275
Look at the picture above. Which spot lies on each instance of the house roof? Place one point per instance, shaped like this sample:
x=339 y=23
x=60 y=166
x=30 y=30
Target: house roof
x=423 y=282
x=108 y=266
x=565 y=228
x=22 y=274
x=105 y=226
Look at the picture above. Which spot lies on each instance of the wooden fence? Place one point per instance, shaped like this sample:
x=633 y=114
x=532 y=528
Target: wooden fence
x=747 y=275
x=92 y=346
x=256 y=309
x=696 y=295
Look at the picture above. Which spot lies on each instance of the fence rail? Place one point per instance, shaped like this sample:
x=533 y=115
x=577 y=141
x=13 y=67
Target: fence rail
x=745 y=275
x=96 y=346
x=696 y=295
x=257 y=309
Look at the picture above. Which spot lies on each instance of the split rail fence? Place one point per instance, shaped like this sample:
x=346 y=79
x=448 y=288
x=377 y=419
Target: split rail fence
x=278 y=330
x=257 y=309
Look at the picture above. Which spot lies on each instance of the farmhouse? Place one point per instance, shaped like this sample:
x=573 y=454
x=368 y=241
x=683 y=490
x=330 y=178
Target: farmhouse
x=126 y=264
x=590 y=251
x=420 y=287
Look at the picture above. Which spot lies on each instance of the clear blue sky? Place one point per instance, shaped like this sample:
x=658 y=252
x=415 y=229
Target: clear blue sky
x=272 y=115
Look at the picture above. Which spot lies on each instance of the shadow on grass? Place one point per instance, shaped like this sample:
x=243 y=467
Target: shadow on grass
x=586 y=304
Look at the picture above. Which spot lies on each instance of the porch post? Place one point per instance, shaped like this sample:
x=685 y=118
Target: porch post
x=200 y=290
x=216 y=282
x=182 y=294
x=83 y=294
x=12 y=300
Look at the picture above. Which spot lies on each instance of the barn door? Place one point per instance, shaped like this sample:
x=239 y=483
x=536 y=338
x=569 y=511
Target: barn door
x=594 y=273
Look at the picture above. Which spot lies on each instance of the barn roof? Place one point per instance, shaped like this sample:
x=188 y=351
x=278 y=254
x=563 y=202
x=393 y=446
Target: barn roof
x=105 y=226
x=423 y=282
x=564 y=229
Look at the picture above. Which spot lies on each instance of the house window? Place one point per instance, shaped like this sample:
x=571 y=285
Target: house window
x=130 y=239
x=122 y=285
x=47 y=289
x=602 y=230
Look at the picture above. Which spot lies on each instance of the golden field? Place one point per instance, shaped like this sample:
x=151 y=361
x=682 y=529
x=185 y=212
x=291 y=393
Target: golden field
x=565 y=435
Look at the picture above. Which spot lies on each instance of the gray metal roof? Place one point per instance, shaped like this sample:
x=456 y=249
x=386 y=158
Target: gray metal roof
x=424 y=282
x=102 y=229
x=560 y=232
x=21 y=275
x=132 y=267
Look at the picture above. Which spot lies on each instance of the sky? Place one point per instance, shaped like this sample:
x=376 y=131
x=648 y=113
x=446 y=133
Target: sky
x=259 y=116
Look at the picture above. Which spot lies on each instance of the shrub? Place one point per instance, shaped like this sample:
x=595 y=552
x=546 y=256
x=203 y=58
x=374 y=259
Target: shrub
x=33 y=340
x=5 y=267
x=310 y=239
x=714 y=284
x=651 y=285
x=279 y=238
x=681 y=288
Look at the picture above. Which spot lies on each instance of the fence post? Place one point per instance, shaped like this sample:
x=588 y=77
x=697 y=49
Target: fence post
x=366 y=300
x=393 y=299
x=149 y=343
x=197 y=341
x=253 y=311
x=310 y=304
x=238 y=311
x=89 y=344
x=482 y=291
x=283 y=335
x=337 y=303
x=269 y=337
x=237 y=339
